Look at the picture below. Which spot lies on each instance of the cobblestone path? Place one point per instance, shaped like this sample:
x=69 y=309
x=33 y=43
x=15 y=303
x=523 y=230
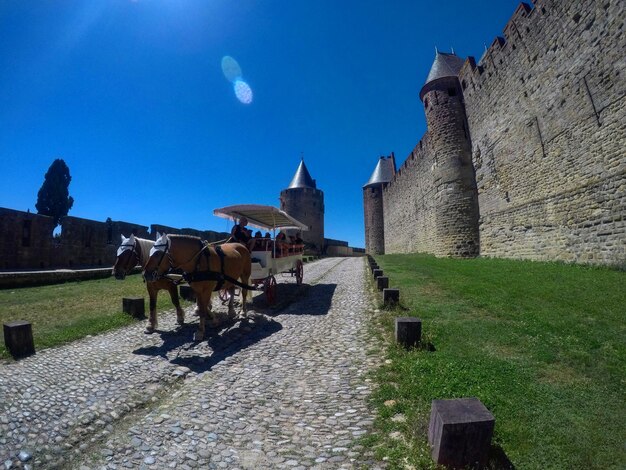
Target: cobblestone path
x=282 y=389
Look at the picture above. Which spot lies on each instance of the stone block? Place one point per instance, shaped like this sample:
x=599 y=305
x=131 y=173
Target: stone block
x=460 y=432
x=391 y=296
x=187 y=293
x=134 y=306
x=408 y=331
x=382 y=282
x=374 y=266
x=377 y=273
x=18 y=338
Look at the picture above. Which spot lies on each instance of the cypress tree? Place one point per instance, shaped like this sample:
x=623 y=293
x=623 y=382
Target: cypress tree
x=53 y=198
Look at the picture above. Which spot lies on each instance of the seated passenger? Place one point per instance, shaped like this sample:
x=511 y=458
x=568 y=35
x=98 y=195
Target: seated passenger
x=259 y=243
x=240 y=234
x=282 y=247
x=268 y=241
x=299 y=243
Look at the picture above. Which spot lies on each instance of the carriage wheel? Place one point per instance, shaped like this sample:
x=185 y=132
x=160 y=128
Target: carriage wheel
x=269 y=289
x=224 y=295
x=299 y=272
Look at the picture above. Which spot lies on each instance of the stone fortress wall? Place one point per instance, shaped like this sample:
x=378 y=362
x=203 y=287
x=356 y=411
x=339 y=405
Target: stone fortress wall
x=546 y=125
x=27 y=242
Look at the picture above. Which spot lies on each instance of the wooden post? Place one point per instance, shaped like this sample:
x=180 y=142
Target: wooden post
x=134 y=306
x=391 y=296
x=18 y=338
x=460 y=432
x=408 y=331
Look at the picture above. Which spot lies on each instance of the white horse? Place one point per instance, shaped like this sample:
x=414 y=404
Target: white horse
x=135 y=251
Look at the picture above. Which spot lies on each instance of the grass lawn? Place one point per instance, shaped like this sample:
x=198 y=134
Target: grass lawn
x=62 y=313
x=542 y=345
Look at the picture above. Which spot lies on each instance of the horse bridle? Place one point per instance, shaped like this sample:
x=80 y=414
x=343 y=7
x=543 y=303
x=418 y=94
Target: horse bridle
x=156 y=275
x=134 y=252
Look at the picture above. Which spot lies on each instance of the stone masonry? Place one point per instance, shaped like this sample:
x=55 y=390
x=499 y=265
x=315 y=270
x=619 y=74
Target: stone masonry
x=545 y=124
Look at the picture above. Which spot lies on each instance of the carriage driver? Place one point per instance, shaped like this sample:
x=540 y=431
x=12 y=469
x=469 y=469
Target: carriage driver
x=241 y=234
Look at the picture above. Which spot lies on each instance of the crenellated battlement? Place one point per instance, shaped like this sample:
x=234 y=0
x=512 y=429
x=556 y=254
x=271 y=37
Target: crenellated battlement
x=521 y=27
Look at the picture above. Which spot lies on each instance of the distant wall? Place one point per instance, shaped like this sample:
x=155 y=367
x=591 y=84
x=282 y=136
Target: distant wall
x=409 y=204
x=332 y=242
x=27 y=242
x=340 y=248
x=208 y=235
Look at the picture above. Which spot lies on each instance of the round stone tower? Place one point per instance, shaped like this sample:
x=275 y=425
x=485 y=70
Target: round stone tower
x=305 y=202
x=456 y=196
x=373 y=205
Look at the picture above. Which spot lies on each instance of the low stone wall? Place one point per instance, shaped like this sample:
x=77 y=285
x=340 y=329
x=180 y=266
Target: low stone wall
x=343 y=251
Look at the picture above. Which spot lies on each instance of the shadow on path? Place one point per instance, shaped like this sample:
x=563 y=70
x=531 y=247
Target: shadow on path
x=228 y=339
x=304 y=299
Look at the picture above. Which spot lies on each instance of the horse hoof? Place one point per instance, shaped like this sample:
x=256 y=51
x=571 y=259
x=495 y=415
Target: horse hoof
x=149 y=330
x=180 y=321
x=197 y=336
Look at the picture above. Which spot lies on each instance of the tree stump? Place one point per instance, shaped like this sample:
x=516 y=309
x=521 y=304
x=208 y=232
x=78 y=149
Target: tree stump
x=408 y=331
x=460 y=432
x=18 y=338
x=382 y=282
x=391 y=296
x=134 y=306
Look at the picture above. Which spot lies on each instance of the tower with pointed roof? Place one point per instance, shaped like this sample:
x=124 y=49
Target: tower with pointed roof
x=373 y=204
x=449 y=224
x=305 y=202
x=455 y=195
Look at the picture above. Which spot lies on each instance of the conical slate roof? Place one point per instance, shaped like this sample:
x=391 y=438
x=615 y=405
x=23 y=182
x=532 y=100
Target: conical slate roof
x=444 y=65
x=383 y=173
x=302 y=178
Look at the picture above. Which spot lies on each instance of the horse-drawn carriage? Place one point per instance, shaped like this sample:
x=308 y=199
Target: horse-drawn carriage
x=220 y=267
x=270 y=256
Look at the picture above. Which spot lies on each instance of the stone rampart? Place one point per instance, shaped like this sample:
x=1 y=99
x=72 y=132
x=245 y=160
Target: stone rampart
x=27 y=241
x=546 y=121
x=409 y=204
x=546 y=108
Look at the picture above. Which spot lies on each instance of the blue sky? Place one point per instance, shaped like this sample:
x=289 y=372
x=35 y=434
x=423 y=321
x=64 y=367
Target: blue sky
x=132 y=96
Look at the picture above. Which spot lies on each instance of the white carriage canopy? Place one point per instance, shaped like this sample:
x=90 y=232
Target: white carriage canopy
x=259 y=216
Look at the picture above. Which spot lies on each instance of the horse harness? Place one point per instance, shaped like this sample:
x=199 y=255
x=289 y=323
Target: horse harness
x=198 y=275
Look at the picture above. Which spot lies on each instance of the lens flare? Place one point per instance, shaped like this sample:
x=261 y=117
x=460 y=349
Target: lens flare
x=231 y=69
x=243 y=92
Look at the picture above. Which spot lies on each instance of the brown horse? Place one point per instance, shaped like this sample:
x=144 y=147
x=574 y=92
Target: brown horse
x=135 y=251
x=206 y=268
